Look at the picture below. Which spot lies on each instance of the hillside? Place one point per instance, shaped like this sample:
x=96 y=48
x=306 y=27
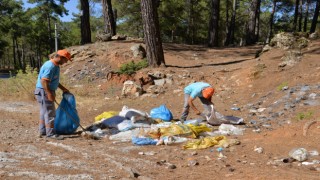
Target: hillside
x=275 y=99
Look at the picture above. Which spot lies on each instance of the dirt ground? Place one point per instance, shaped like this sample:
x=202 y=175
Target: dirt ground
x=240 y=80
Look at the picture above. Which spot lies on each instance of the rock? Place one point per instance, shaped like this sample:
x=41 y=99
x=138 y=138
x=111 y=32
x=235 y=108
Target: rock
x=130 y=88
x=101 y=36
x=266 y=48
x=194 y=153
x=157 y=75
x=283 y=40
x=314 y=36
x=155 y=89
x=159 y=82
x=299 y=154
x=193 y=162
x=119 y=37
x=138 y=51
x=258 y=150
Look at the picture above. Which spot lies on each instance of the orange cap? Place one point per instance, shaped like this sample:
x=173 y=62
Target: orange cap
x=65 y=54
x=207 y=92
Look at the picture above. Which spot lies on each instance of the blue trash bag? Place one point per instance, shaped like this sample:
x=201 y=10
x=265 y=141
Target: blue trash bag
x=67 y=120
x=162 y=113
x=143 y=141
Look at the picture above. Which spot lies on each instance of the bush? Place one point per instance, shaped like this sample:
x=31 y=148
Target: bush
x=21 y=85
x=302 y=116
x=132 y=67
x=282 y=85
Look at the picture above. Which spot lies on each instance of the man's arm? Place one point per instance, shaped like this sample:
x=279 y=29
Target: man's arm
x=190 y=102
x=45 y=85
x=63 y=88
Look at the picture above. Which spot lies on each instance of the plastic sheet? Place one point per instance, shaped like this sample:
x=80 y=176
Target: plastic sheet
x=205 y=142
x=105 y=115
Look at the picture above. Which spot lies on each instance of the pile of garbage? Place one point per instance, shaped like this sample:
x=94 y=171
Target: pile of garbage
x=159 y=128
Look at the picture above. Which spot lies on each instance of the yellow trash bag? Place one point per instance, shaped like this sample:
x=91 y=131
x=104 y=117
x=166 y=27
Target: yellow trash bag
x=199 y=129
x=105 y=115
x=205 y=142
x=178 y=130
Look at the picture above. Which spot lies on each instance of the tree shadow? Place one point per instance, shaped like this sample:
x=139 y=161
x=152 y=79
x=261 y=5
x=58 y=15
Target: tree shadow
x=214 y=64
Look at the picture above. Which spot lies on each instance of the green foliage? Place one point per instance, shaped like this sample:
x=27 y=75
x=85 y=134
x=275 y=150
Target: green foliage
x=301 y=116
x=129 y=20
x=282 y=85
x=180 y=21
x=132 y=67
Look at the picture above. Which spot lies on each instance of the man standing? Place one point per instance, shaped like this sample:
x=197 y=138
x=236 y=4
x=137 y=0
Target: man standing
x=47 y=84
x=201 y=90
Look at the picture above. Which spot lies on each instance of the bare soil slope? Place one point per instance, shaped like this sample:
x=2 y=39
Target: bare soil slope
x=274 y=116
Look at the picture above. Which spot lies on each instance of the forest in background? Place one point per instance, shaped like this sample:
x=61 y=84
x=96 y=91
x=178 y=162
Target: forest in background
x=28 y=35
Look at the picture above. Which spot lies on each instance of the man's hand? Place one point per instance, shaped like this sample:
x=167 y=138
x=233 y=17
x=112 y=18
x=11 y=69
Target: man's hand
x=51 y=97
x=198 y=112
x=65 y=90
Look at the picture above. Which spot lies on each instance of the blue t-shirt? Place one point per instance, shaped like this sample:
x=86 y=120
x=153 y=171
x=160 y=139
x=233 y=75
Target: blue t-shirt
x=49 y=71
x=195 y=89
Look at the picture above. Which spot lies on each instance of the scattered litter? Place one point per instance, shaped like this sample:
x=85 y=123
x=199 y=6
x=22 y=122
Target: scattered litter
x=167 y=140
x=133 y=114
x=162 y=113
x=144 y=141
x=313 y=153
x=216 y=118
x=228 y=129
x=311 y=163
x=235 y=108
x=126 y=135
x=205 y=142
x=105 y=115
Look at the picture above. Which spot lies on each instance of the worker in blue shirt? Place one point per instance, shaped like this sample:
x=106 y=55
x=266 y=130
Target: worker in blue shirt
x=47 y=84
x=204 y=92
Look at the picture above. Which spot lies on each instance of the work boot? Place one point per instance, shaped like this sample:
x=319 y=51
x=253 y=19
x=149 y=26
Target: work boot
x=56 y=137
x=41 y=135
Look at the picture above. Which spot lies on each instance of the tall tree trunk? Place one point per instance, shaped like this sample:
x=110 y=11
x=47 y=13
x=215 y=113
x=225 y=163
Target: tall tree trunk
x=14 y=52
x=115 y=17
x=49 y=33
x=300 y=16
x=251 y=33
x=47 y=11
x=306 y=16
x=190 y=29
x=85 y=22
x=108 y=16
x=227 y=20
x=270 y=31
x=257 y=33
x=315 y=17
x=214 y=24
x=23 y=58
x=18 y=54
x=151 y=30
x=39 y=57
x=230 y=32
x=296 y=13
